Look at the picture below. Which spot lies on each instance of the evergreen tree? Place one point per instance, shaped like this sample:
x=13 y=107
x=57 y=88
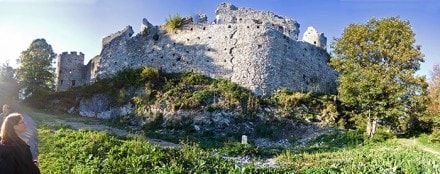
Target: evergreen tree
x=377 y=62
x=35 y=71
x=8 y=84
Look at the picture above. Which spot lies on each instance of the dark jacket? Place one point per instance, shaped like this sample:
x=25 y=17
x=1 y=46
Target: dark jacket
x=17 y=158
x=8 y=163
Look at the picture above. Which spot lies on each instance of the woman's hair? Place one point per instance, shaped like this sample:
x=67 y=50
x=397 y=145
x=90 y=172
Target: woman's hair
x=7 y=131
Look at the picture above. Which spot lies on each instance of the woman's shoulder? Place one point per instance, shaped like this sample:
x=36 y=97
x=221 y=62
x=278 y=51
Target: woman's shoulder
x=6 y=150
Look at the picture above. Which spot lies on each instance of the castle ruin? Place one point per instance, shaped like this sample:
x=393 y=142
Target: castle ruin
x=255 y=49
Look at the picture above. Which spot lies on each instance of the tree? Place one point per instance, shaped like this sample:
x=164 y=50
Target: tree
x=434 y=96
x=35 y=71
x=377 y=62
x=8 y=83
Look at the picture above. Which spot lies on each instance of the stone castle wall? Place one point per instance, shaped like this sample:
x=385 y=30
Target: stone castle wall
x=257 y=50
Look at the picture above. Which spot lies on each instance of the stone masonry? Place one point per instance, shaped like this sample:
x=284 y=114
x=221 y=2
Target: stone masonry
x=69 y=70
x=255 y=49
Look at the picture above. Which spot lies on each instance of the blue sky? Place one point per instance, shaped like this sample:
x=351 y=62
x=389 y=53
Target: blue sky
x=80 y=25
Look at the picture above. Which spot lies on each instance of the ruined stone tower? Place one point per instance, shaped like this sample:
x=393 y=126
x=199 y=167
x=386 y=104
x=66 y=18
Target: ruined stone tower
x=313 y=37
x=70 y=70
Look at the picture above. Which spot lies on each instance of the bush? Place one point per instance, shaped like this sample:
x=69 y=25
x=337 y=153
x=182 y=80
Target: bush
x=339 y=139
x=383 y=134
x=174 y=22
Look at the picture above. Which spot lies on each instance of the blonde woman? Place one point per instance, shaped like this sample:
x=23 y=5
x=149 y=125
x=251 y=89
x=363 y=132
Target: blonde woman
x=13 y=126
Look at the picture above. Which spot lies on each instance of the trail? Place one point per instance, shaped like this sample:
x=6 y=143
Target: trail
x=31 y=134
x=413 y=142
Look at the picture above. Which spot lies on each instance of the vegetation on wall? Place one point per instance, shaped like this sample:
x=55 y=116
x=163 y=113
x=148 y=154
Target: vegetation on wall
x=174 y=22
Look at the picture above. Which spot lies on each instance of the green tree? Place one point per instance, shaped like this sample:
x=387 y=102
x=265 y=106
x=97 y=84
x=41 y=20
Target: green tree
x=434 y=96
x=8 y=83
x=35 y=71
x=377 y=62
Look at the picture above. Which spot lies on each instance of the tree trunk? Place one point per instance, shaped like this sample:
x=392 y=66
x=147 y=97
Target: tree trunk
x=371 y=126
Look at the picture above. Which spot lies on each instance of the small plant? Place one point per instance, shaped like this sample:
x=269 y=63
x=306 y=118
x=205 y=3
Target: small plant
x=241 y=149
x=174 y=22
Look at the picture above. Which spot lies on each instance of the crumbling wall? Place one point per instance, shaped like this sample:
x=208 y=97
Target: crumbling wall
x=257 y=50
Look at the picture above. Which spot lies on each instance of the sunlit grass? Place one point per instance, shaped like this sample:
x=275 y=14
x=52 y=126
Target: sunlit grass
x=424 y=139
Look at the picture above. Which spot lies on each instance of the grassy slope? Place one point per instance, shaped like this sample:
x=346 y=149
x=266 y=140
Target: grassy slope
x=96 y=152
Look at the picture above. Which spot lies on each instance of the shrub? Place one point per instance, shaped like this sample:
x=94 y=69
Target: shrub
x=174 y=22
x=382 y=135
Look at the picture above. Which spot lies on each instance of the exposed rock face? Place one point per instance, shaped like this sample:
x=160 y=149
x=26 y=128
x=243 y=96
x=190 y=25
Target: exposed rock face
x=255 y=49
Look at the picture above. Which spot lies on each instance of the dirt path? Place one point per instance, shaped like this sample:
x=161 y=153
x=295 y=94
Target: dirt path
x=31 y=136
x=414 y=142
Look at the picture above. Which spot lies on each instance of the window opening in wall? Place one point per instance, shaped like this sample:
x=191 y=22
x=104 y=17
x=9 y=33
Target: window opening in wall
x=314 y=42
x=229 y=26
x=61 y=81
x=156 y=37
x=204 y=28
x=73 y=82
x=259 y=46
x=209 y=37
x=258 y=26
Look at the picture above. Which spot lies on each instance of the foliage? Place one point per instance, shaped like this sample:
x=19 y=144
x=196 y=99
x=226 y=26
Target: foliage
x=8 y=83
x=377 y=63
x=339 y=139
x=238 y=149
x=434 y=96
x=323 y=108
x=98 y=152
x=35 y=71
x=384 y=157
x=432 y=141
x=174 y=22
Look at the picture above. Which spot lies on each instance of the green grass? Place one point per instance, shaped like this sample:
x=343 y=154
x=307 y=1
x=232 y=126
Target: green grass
x=424 y=140
x=42 y=118
x=83 y=151
x=99 y=152
x=386 y=157
x=63 y=150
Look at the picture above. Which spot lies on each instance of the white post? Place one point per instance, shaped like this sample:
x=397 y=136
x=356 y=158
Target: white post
x=244 y=139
